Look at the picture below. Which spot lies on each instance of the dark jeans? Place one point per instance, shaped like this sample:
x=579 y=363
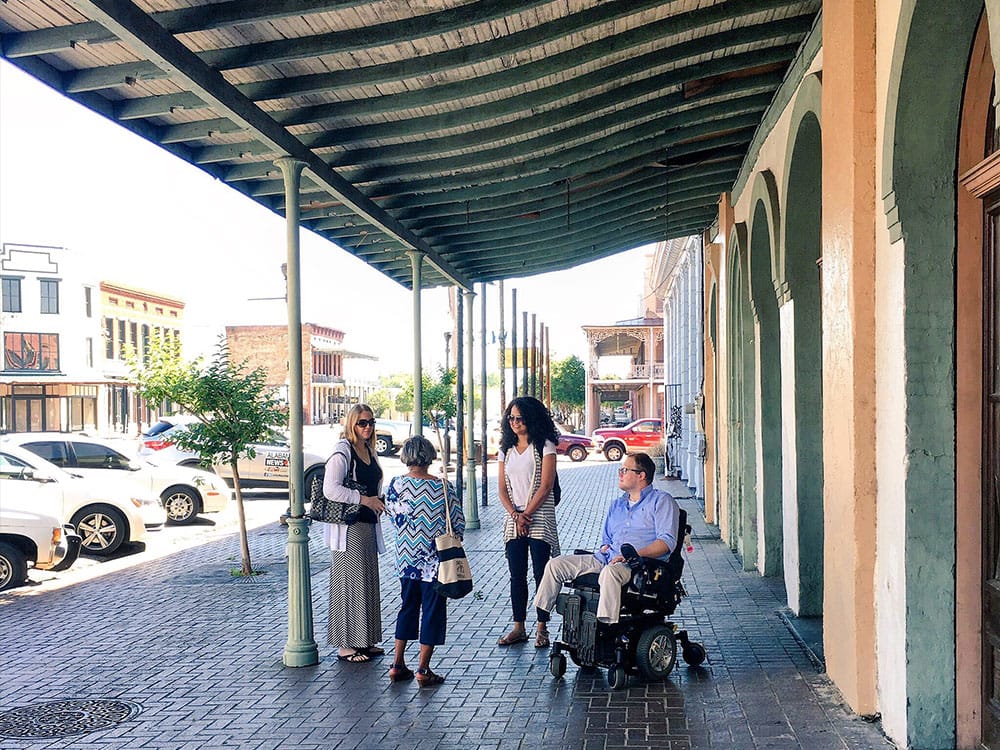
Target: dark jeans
x=517 y=563
x=424 y=611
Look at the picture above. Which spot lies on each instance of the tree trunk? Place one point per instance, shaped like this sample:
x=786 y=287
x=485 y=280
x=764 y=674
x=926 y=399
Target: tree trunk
x=246 y=570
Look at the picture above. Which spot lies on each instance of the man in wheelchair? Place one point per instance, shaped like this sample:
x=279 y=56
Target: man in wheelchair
x=619 y=619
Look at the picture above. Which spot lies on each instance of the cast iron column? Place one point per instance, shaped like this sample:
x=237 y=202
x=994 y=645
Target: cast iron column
x=300 y=649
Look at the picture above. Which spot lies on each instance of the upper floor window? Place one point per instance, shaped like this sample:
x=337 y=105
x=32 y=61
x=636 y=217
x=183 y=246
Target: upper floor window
x=50 y=295
x=10 y=290
x=88 y=304
x=31 y=351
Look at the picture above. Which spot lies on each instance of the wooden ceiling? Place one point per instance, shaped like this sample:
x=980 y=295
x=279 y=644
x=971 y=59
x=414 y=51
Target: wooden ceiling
x=502 y=138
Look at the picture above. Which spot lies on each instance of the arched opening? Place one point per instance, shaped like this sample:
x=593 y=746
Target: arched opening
x=742 y=474
x=768 y=367
x=801 y=312
x=919 y=185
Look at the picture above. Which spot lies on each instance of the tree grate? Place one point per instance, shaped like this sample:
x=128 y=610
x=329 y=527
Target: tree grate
x=65 y=718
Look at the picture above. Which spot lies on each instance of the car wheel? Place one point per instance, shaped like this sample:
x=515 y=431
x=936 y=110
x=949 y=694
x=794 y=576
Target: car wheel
x=13 y=567
x=656 y=652
x=181 y=504
x=577 y=453
x=102 y=528
x=614 y=452
x=383 y=445
x=316 y=474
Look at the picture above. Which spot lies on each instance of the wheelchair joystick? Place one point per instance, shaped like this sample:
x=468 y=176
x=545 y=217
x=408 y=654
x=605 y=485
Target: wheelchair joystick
x=632 y=558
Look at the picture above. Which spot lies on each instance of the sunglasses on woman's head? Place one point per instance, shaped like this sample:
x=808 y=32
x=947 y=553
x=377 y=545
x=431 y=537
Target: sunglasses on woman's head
x=366 y=423
x=516 y=419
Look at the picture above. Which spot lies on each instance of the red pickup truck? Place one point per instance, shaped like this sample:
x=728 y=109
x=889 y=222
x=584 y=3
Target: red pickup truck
x=615 y=442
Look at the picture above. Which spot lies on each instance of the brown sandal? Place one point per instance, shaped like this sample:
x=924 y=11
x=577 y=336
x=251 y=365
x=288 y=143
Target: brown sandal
x=426 y=677
x=514 y=636
x=542 y=638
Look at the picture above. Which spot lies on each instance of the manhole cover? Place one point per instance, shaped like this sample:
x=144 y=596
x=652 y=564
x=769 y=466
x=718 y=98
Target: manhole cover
x=64 y=718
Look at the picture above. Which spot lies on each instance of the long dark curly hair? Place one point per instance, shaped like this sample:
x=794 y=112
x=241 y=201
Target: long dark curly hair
x=536 y=418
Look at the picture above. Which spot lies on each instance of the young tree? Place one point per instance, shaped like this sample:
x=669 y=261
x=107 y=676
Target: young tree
x=380 y=401
x=233 y=404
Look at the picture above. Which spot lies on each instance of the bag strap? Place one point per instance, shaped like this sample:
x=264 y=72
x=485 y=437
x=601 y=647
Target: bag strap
x=447 y=504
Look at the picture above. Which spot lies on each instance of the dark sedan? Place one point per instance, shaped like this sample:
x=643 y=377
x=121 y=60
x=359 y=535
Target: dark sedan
x=575 y=446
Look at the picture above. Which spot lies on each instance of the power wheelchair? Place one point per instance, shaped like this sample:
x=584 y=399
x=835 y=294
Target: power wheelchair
x=643 y=641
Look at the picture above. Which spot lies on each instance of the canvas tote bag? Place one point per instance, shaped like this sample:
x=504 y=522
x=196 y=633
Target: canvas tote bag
x=454 y=577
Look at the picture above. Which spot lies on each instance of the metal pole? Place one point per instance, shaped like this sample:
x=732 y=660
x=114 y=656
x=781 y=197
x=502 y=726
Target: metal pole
x=534 y=356
x=513 y=345
x=459 y=394
x=471 y=508
x=300 y=648
x=416 y=261
x=524 y=332
x=482 y=391
x=503 y=353
x=548 y=365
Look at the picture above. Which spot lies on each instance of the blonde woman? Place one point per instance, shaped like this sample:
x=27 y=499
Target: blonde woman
x=355 y=620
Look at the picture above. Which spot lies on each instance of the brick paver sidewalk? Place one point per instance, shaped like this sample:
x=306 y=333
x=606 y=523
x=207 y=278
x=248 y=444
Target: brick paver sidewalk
x=199 y=655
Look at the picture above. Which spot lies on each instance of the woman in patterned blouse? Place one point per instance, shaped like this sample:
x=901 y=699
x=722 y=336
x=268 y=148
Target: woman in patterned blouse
x=416 y=504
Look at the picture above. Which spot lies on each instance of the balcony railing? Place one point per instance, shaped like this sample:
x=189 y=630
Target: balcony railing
x=635 y=372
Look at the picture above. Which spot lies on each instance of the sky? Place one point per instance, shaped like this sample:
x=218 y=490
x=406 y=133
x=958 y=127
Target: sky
x=140 y=216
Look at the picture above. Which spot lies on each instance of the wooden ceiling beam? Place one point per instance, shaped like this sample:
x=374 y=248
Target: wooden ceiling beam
x=147 y=38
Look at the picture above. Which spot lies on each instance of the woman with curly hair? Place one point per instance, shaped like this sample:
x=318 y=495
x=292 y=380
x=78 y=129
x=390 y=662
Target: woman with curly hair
x=527 y=471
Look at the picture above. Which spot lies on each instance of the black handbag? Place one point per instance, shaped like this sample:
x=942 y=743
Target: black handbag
x=322 y=508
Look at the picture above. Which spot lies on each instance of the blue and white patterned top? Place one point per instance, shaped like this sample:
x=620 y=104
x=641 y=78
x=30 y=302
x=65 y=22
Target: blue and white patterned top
x=416 y=510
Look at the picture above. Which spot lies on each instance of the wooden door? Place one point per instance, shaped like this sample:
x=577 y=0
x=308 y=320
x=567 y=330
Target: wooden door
x=991 y=479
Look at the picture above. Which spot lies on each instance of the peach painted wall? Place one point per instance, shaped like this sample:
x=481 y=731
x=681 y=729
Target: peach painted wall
x=849 y=349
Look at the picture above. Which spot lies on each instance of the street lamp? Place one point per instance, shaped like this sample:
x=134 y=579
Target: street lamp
x=447 y=350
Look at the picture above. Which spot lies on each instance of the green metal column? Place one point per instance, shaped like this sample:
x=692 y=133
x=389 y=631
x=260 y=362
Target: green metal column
x=416 y=261
x=471 y=505
x=300 y=649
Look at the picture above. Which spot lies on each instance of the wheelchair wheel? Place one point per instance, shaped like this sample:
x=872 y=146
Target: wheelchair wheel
x=693 y=653
x=617 y=677
x=656 y=652
x=557 y=665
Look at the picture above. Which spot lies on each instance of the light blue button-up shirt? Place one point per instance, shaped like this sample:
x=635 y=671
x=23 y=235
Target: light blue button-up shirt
x=655 y=516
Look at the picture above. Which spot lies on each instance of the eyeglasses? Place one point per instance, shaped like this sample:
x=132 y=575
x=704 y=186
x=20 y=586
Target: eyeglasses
x=366 y=423
x=623 y=469
x=515 y=419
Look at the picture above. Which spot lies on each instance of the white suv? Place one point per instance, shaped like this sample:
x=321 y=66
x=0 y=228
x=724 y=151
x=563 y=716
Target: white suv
x=184 y=491
x=106 y=518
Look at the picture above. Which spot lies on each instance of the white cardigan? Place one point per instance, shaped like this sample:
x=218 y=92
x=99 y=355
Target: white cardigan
x=335 y=534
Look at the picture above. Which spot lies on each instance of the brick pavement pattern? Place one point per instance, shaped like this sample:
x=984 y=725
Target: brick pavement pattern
x=200 y=652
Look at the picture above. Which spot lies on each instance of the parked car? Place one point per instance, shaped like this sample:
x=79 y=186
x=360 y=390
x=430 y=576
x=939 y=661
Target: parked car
x=390 y=435
x=32 y=532
x=105 y=517
x=269 y=468
x=184 y=491
x=615 y=442
x=577 y=447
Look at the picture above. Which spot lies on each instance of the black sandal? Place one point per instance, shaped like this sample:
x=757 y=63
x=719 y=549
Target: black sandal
x=426 y=677
x=358 y=657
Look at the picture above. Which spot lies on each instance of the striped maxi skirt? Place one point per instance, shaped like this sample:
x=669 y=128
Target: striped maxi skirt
x=355 y=616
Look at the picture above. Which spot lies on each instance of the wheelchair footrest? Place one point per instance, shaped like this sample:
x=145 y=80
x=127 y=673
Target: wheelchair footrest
x=569 y=605
x=588 y=638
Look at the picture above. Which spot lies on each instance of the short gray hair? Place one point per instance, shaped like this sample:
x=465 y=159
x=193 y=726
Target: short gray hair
x=417 y=451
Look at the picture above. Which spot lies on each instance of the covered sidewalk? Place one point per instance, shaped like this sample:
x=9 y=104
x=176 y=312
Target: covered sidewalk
x=195 y=655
